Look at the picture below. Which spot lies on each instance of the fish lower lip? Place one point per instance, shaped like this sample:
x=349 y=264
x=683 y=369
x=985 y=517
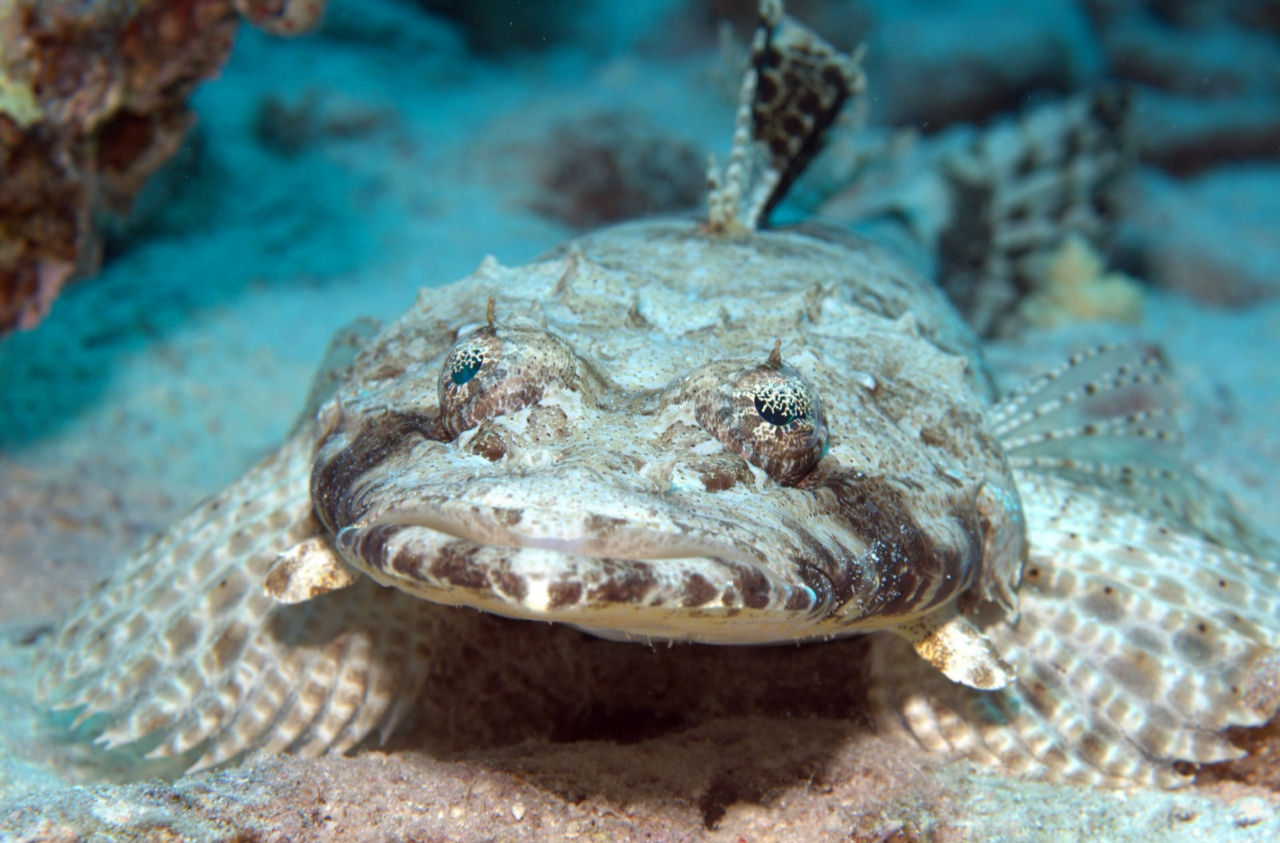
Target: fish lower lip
x=612 y=596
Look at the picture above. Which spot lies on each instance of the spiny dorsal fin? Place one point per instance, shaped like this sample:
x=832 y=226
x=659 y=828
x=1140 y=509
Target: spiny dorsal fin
x=791 y=94
x=1018 y=191
x=803 y=82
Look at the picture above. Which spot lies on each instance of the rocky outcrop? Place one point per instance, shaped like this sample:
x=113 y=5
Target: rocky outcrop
x=93 y=99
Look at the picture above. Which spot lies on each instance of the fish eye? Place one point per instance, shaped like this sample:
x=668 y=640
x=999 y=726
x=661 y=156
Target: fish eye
x=770 y=416
x=464 y=362
x=498 y=369
x=783 y=403
x=466 y=379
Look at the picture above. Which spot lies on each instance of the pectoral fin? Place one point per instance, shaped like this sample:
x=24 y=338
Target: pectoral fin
x=949 y=642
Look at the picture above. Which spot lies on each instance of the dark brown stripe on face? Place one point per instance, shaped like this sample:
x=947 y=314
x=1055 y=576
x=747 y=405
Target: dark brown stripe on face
x=332 y=482
x=830 y=571
x=564 y=593
x=827 y=595
x=697 y=591
x=752 y=586
x=909 y=561
x=509 y=584
x=369 y=544
x=454 y=565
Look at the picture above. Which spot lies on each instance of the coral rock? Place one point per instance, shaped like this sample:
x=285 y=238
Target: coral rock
x=92 y=101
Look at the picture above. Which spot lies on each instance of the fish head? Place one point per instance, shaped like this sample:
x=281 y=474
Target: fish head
x=664 y=434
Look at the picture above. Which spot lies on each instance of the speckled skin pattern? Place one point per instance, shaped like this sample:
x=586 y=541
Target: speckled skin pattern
x=700 y=431
x=1138 y=638
x=608 y=466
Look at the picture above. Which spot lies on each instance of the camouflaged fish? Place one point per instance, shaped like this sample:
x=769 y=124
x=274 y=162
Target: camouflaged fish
x=704 y=430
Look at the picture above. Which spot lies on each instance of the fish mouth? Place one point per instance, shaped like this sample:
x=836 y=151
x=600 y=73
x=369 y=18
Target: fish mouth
x=635 y=531
x=628 y=570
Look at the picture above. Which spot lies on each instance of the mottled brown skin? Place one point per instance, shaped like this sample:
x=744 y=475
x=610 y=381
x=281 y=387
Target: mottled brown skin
x=619 y=449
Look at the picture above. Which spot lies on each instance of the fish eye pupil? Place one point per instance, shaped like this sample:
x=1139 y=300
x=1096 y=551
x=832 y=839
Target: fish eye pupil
x=781 y=404
x=464 y=365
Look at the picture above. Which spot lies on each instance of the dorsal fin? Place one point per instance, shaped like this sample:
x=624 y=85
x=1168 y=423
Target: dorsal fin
x=792 y=92
x=802 y=83
x=1018 y=192
x=1106 y=418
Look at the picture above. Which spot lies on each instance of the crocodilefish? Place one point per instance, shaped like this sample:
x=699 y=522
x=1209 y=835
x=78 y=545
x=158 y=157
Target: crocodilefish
x=709 y=430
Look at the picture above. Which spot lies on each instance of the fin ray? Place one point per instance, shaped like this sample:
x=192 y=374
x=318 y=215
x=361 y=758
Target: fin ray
x=1016 y=194
x=956 y=647
x=182 y=654
x=1106 y=418
x=1130 y=655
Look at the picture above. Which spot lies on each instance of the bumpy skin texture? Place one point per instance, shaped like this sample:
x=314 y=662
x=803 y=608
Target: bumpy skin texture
x=602 y=439
x=1137 y=643
x=615 y=422
x=92 y=101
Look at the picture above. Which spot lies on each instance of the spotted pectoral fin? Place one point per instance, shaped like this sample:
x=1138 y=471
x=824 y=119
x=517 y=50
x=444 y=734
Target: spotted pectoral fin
x=949 y=642
x=307 y=570
x=179 y=655
x=1136 y=648
x=1106 y=418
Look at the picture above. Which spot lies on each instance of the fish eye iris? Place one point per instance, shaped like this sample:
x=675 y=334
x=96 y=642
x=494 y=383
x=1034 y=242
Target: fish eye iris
x=783 y=403
x=464 y=363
